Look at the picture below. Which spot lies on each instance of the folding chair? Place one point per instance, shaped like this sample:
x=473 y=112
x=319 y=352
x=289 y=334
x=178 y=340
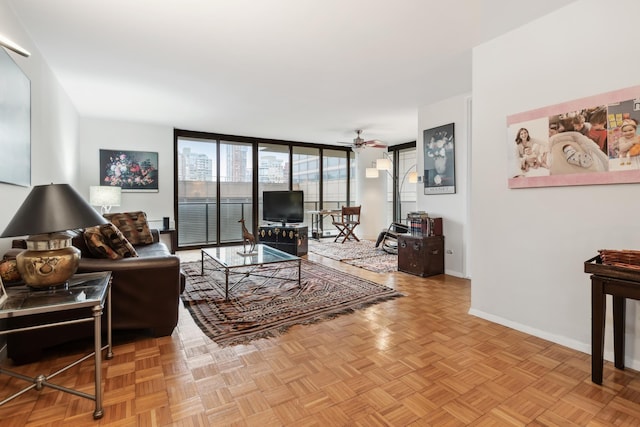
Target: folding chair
x=346 y=221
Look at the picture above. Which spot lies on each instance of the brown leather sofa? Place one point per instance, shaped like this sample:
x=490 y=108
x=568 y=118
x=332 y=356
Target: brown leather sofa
x=145 y=293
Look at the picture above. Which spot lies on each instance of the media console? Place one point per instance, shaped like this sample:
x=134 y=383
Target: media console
x=292 y=239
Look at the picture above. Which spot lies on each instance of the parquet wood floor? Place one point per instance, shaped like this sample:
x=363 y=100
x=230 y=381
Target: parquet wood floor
x=420 y=360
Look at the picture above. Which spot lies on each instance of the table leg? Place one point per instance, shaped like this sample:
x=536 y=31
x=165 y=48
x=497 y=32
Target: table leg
x=299 y=269
x=619 y=310
x=201 y=263
x=226 y=284
x=598 y=309
x=109 y=355
x=97 y=339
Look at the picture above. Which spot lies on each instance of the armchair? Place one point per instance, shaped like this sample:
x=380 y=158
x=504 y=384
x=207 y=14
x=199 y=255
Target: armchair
x=389 y=237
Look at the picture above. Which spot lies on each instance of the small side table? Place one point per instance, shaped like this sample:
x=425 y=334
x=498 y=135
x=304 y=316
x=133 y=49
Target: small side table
x=173 y=236
x=87 y=294
x=620 y=290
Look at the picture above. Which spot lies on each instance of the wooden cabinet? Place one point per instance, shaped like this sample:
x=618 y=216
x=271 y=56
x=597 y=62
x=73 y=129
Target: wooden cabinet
x=292 y=239
x=421 y=255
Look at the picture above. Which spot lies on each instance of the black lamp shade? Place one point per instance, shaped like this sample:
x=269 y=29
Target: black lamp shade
x=52 y=208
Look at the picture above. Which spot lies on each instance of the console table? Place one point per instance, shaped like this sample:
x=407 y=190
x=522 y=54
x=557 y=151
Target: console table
x=85 y=296
x=292 y=239
x=621 y=283
x=317 y=219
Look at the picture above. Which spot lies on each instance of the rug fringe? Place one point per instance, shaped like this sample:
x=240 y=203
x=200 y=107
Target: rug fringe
x=283 y=329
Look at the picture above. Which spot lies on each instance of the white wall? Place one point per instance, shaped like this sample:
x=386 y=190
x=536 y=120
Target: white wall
x=96 y=134
x=529 y=245
x=54 y=125
x=453 y=208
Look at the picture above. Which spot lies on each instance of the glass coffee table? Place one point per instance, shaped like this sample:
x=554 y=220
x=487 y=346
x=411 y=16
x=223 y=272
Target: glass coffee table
x=267 y=263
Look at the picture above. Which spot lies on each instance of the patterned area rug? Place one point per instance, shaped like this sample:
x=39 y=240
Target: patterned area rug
x=260 y=310
x=362 y=254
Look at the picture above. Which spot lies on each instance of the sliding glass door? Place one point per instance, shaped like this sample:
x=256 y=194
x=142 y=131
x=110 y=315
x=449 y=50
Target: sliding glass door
x=196 y=192
x=220 y=180
x=236 y=195
x=273 y=170
x=306 y=177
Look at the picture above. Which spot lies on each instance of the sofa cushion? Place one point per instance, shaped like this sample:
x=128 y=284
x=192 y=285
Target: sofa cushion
x=106 y=241
x=133 y=225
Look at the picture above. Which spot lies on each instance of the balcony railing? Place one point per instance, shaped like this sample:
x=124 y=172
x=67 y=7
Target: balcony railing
x=197 y=221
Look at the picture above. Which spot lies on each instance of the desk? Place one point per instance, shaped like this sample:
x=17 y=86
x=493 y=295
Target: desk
x=86 y=294
x=317 y=217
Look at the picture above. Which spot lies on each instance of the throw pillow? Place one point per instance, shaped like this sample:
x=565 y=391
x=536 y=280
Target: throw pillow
x=9 y=271
x=97 y=244
x=118 y=241
x=106 y=241
x=133 y=225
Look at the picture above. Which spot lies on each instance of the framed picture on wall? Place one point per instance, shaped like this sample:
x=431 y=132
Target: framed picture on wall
x=15 y=123
x=129 y=170
x=587 y=141
x=439 y=160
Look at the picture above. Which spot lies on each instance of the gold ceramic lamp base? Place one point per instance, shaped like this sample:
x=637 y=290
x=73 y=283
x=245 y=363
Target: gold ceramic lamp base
x=50 y=260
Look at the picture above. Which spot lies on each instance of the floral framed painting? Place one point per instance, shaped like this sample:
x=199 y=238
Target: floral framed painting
x=439 y=160
x=129 y=170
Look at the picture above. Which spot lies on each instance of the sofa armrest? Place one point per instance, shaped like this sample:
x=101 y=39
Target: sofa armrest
x=126 y=264
x=145 y=291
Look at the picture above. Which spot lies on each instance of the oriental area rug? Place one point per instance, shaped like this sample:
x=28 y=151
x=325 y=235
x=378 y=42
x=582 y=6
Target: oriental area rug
x=362 y=254
x=258 y=309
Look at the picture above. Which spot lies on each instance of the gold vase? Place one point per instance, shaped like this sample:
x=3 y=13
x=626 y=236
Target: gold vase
x=50 y=260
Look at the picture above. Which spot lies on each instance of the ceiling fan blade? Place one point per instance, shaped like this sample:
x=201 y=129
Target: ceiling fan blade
x=375 y=143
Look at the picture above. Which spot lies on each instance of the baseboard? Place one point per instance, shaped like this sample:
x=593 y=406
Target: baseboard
x=558 y=339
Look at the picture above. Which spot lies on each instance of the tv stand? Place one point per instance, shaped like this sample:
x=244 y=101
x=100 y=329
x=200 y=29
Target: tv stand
x=292 y=238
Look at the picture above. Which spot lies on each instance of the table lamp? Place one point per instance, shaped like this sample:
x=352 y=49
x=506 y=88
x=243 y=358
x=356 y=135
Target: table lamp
x=47 y=212
x=105 y=197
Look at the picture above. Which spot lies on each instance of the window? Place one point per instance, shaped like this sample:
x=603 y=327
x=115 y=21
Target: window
x=308 y=179
x=403 y=192
x=220 y=179
x=196 y=190
x=273 y=170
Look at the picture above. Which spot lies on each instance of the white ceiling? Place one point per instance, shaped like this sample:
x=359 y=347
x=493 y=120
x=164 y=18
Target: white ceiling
x=299 y=70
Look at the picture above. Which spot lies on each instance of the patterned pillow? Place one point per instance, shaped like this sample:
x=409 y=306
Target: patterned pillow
x=133 y=225
x=97 y=244
x=106 y=241
x=118 y=241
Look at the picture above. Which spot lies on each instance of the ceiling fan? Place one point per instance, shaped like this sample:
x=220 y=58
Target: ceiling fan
x=359 y=142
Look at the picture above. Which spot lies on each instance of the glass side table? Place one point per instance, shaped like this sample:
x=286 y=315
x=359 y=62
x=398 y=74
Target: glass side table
x=87 y=294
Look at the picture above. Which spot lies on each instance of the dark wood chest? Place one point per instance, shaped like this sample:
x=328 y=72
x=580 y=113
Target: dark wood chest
x=290 y=239
x=421 y=255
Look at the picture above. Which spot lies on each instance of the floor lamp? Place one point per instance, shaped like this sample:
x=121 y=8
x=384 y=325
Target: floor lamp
x=386 y=165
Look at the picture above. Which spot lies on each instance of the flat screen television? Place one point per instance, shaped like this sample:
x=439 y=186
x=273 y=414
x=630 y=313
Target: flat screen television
x=283 y=206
